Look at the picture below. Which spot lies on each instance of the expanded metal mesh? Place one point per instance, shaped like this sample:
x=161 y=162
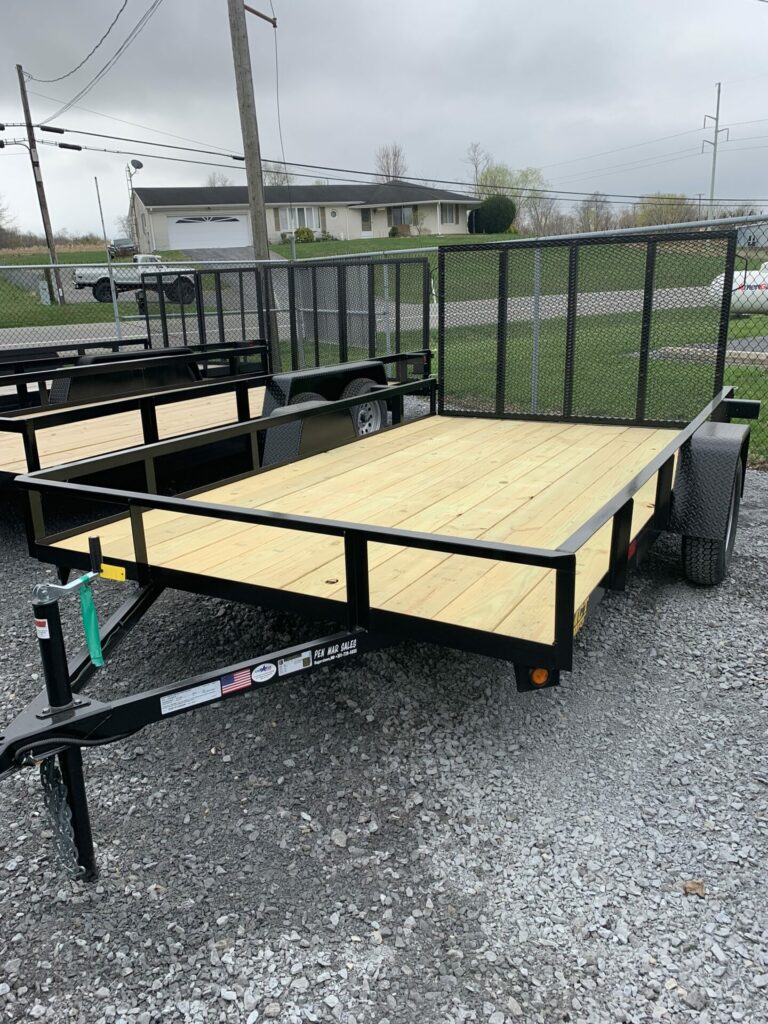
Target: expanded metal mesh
x=627 y=330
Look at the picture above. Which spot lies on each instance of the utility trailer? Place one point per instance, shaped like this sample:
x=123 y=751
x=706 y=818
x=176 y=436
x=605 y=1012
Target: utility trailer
x=85 y=373
x=488 y=523
x=38 y=437
x=491 y=536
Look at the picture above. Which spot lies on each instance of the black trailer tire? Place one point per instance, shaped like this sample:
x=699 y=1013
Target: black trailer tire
x=102 y=291
x=181 y=290
x=706 y=561
x=303 y=396
x=368 y=417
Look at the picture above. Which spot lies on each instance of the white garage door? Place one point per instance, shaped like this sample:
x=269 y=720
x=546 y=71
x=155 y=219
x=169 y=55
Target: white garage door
x=207 y=232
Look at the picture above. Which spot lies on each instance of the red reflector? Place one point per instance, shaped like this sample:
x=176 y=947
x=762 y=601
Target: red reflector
x=632 y=549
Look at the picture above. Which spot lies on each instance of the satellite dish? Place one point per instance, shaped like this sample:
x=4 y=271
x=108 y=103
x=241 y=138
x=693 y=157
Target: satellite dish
x=137 y=164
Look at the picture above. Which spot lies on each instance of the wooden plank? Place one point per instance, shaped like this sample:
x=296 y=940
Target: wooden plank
x=525 y=482
x=70 y=442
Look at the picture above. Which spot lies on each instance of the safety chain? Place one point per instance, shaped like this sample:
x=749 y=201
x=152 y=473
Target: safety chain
x=57 y=805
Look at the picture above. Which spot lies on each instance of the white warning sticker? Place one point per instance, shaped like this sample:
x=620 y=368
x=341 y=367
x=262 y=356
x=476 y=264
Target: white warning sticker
x=285 y=666
x=41 y=628
x=188 y=698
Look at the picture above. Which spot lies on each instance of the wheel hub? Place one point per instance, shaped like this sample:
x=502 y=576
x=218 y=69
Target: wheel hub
x=368 y=418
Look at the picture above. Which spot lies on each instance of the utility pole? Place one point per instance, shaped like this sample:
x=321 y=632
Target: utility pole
x=713 y=143
x=250 y=130
x=57 y=294
x=249 y=127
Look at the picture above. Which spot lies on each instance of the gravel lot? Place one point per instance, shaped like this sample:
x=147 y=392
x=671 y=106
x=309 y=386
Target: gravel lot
x=407 y=840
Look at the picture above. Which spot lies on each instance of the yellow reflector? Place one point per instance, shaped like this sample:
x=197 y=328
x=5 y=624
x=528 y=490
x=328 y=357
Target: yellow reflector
x=539 y=676
x=113 y=572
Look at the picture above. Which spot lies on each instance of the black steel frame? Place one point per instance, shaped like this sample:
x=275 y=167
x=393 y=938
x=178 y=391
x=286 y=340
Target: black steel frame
x=651 y=241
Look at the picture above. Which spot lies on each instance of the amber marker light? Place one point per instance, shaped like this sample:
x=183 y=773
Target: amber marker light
x=539 y=676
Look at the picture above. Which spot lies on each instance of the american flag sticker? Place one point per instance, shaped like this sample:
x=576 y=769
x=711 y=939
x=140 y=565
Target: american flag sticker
x=236 y=681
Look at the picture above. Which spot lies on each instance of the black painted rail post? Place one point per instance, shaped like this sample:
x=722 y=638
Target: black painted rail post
x=59 y=691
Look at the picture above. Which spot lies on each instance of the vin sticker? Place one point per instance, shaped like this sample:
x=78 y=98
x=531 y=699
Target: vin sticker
x=41 y=628
x=335 y=651
x=285 y=666
x=188 y=698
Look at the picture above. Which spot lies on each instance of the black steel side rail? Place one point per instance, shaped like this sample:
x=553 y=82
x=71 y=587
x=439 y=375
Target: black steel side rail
x=27 y=423
x=199 y=438
x=661 y=463
x=139 y=363
x=57 y=353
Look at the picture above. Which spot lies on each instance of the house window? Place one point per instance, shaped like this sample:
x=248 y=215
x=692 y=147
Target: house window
x=397 y=215
x=292 y=217
x=449 y=213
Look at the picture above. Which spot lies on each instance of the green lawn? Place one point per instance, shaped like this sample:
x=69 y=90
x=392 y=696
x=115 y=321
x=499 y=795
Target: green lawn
x=74 y=257
x=314 y=250
x=605 y=367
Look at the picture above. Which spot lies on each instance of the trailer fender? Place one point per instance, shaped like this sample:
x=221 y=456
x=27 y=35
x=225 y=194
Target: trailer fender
x=704 y=479
x=322 y=383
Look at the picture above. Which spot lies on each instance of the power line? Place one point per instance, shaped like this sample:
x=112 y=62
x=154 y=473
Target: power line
x=122 y=120
x=87 y=57
x=141 y=142
x=622 y=149
x=132 y=35
x=615 y=199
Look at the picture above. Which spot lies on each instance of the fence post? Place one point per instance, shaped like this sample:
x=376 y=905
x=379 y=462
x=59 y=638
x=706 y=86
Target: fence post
x=536 y=312
x=570 y=327
x=725 y=312
x=645 y=330
x=502 y=328
x=341 y=295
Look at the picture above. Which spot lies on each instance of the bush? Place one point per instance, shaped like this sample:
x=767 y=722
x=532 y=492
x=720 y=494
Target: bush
x=394 y=231
x=304 y=235
x=495 y=215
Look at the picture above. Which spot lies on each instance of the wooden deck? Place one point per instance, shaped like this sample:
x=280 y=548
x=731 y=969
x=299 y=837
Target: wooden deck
x=519 y=482
x=524 y=482
x=82 y=440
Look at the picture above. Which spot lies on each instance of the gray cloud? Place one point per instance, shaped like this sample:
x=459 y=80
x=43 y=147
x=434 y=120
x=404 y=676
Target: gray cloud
x=534 y=83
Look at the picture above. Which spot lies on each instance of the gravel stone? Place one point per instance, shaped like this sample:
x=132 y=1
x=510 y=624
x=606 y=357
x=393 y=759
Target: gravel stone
x=507 y=857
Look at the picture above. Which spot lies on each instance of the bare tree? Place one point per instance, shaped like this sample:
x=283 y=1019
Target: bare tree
x=276 y=174
x=390 y=162
x=7 y=230
x=665 y=208
x=216 y=180
x=125 y=225
x=594 y=214
x=479 y=161
x=495 y=180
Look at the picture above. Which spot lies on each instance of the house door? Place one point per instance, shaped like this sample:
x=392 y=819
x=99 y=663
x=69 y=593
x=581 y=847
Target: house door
x=366 y=229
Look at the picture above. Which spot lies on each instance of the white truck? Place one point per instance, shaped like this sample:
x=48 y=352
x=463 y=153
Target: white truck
x=128 y=277
x=750 y=291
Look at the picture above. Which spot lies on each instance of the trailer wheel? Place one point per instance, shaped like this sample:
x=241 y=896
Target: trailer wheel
x=182 y=290
x=102 y=291
x=368 y=417
x=300 y=399
x=706 y=561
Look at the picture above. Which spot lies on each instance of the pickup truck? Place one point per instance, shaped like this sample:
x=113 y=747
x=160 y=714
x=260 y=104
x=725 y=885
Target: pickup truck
x=128 y=278
x=750 y=291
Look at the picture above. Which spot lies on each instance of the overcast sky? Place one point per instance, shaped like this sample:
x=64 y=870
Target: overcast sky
x=535 y=83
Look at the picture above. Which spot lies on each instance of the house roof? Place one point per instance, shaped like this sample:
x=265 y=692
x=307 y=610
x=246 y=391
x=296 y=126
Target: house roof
x=390 y=193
